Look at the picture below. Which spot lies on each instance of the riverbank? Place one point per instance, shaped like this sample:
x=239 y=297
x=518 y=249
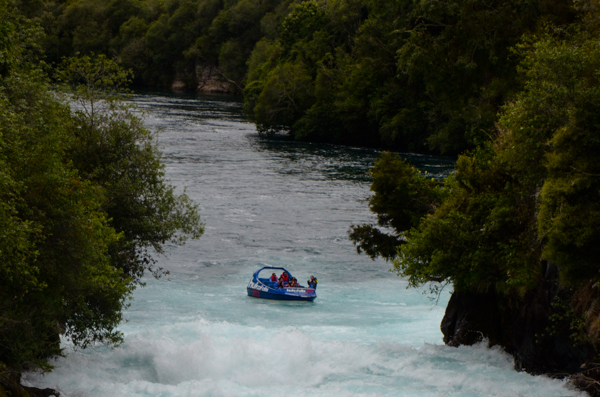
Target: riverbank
x=540 y=330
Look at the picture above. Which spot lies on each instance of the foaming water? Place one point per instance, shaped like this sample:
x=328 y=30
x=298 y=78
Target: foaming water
x=276 y=202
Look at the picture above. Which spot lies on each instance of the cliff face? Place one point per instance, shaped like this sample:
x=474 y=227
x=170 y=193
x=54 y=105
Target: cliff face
x=210 y=80
x=534 y=329
x=10 y=386
x=540 y=330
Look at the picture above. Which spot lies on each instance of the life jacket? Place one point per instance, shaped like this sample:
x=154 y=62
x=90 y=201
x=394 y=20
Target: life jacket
x=273 y=278
x=285 y=277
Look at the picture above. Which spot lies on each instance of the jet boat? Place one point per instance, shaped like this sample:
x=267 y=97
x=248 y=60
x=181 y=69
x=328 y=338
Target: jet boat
x=260 y=287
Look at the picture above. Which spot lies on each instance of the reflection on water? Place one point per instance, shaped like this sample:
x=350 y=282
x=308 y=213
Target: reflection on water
x=344 y=162
x=205 y=106
x=331 y=161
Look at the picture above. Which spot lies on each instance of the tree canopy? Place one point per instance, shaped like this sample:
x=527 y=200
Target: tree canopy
x=403 y=75
x=83 y=198
x=412 y=76
x=526 y=195
x=161 y=41
x=532 y=193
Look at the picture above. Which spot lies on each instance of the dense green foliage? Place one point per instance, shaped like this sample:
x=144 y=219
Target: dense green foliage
x=402 y=197
x=529 y=194
x=160 y=40
x=538 y=184
x=82 y=197
x=112 y=149
x=565 y=75
x=405 y=75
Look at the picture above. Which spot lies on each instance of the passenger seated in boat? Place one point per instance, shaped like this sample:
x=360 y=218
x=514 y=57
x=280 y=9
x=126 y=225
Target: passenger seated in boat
x=273 y=278
x=294 y=283
x=312 y=283
x=285 y=277
x=280 y=282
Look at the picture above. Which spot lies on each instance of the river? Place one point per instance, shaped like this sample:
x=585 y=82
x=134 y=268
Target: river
x=276 y=202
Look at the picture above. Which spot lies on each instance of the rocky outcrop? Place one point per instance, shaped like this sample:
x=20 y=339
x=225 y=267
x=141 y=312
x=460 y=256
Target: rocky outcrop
x=210 y=80
x=11 y=387
x=535 y=329
x=470 y=318
x=178 y=85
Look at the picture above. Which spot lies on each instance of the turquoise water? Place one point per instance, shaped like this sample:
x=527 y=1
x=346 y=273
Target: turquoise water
x=275 y=202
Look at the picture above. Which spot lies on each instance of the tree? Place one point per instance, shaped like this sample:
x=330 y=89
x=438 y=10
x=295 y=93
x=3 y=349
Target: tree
x=482 y=235
x=558 y=115
x=403 y=196
x=287 y=93
x=112 y=149
x=55 y=271
x=83 y=200
x=532 y=193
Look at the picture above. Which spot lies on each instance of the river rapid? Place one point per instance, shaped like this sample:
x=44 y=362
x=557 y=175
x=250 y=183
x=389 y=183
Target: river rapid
x=281 y=203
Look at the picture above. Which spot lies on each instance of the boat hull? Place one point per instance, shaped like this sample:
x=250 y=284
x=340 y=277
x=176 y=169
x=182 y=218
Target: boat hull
x=282 y=296
x=267 y=288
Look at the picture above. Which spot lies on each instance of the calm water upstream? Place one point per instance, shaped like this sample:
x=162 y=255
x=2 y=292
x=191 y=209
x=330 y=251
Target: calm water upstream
x=196 y=333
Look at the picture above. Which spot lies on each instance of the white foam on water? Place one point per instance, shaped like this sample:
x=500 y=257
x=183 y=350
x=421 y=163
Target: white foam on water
x=213 y=365
x=230 y=354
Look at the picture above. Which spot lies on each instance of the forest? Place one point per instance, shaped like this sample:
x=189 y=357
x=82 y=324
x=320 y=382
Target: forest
x=402 y=75
x=511 y=88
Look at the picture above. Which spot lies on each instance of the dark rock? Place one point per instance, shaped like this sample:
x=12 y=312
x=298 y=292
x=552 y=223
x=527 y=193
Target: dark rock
x=470 y=318
x=521 y=325
x=10 y=386
x=35 y=392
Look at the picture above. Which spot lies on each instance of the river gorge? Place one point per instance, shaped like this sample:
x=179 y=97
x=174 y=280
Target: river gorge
x=276 y=202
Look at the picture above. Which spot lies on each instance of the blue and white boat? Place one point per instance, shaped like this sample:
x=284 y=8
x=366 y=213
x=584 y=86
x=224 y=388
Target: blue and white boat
x=260 y=287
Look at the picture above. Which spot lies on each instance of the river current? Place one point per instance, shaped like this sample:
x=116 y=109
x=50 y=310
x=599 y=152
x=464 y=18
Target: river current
x=281 y=203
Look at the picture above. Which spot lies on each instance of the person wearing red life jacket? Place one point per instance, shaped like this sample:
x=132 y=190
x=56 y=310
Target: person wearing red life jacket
x=273 y=278
x=285 y=277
